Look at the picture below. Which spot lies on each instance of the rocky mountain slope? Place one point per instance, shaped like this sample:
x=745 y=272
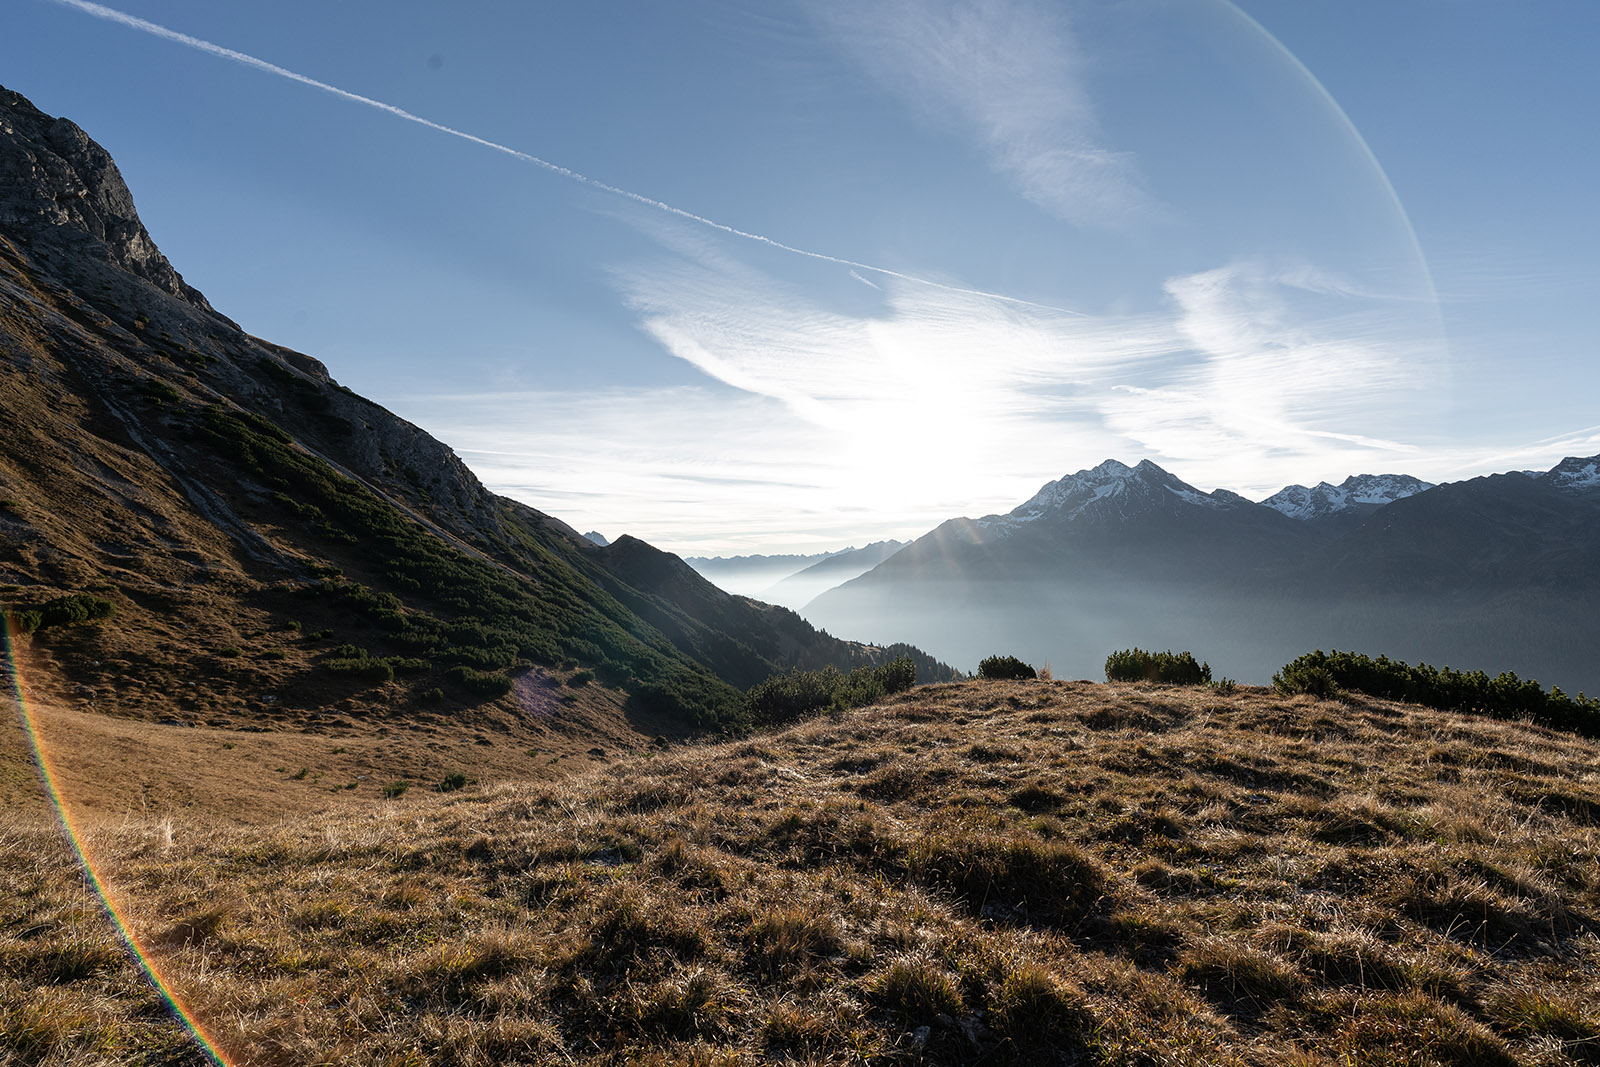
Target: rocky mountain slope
x=276 y=549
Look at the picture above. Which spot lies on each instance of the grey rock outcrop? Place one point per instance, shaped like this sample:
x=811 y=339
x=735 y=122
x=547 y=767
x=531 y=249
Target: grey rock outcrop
x=59 y=188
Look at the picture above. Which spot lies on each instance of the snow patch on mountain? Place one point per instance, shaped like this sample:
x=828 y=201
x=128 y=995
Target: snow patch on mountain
x=1358 y=490
x=1112 y=487
x=1575 y=473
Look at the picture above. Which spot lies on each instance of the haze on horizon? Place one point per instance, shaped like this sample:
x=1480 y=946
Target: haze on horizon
x=1257 y=244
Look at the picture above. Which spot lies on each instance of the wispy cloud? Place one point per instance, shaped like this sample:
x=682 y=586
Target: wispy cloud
x=824 y=426
x=1281 y=380
x=1010 y=74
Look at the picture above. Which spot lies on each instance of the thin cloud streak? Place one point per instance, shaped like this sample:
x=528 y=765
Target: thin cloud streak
x=1012 y=72
x=108 y=14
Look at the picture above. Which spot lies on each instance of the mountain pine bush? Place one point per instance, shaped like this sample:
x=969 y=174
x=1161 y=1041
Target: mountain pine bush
x=71 y=610
x=1505 y=696
x=786 y=698
x=480 y=683
x=1137 y=665
x=1005 y=667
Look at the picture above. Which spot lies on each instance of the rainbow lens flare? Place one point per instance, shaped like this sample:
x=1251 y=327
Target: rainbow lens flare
x=152 y=970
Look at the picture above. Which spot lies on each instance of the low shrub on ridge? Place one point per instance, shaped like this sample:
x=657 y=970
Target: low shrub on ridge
x=786 y=698
x=1504 y=696
x=1006 y=667
x=1137 y=665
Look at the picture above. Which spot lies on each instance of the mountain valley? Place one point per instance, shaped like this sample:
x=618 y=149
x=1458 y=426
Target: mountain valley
x=315 y=750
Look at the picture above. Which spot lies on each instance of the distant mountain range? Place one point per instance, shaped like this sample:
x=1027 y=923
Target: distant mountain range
x=1496 y=572
x=803 y=586
x=1348 y=503
x=794 y=580
x=749 y=575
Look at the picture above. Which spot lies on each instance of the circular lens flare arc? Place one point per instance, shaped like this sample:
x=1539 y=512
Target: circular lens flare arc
x=74 y=837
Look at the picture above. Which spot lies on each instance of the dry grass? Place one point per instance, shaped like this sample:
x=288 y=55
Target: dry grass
x=1026 y=873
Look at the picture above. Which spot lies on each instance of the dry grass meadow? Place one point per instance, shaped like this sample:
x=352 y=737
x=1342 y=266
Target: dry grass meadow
x=976 y=873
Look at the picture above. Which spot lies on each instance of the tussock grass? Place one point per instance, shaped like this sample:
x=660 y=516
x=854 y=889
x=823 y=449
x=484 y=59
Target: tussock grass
x=981 y=872
x=69 y=994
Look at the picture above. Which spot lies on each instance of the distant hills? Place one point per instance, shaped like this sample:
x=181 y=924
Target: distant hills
x=1495 y=572
x=749 y=575
x=799 y=578
x=276 y=548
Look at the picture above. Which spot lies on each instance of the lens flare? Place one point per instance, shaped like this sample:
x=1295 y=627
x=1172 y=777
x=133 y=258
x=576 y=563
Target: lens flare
x=74 y=836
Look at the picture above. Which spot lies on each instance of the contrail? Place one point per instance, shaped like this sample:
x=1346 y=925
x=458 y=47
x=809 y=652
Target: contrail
x=100 y=11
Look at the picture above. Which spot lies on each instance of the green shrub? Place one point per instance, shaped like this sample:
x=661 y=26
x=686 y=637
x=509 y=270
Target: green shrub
x=898 y=674
x=480 y=683
x=396 y=789
x=158 y=392
x=1006 y=667
x=785 y=698
x=580 y=679
x=22 y=621
x=1308 y=674
x=375 y=671
x=71 y=610
x=1505 y=696
x=451 y=782
x=1137 y=665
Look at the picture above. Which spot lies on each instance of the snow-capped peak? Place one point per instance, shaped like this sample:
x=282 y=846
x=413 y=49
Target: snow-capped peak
x=1358 y=490
x=1110 y=486
x=1575 y=473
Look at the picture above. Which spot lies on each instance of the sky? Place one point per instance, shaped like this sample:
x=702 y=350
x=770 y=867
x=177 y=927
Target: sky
x=786 y=277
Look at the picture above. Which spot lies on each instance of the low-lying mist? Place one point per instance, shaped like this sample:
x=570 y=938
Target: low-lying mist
x=1073 y=627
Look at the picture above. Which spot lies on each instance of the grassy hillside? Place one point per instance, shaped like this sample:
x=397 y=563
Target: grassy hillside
x=979 y=872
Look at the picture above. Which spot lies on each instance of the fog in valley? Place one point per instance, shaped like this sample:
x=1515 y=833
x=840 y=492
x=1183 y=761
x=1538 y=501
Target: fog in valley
x=1073 y=627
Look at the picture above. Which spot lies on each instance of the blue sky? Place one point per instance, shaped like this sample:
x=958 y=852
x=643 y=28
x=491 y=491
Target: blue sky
x=981 y=244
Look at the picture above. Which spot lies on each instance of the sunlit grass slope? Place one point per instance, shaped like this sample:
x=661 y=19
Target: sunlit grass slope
x=980 y=872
